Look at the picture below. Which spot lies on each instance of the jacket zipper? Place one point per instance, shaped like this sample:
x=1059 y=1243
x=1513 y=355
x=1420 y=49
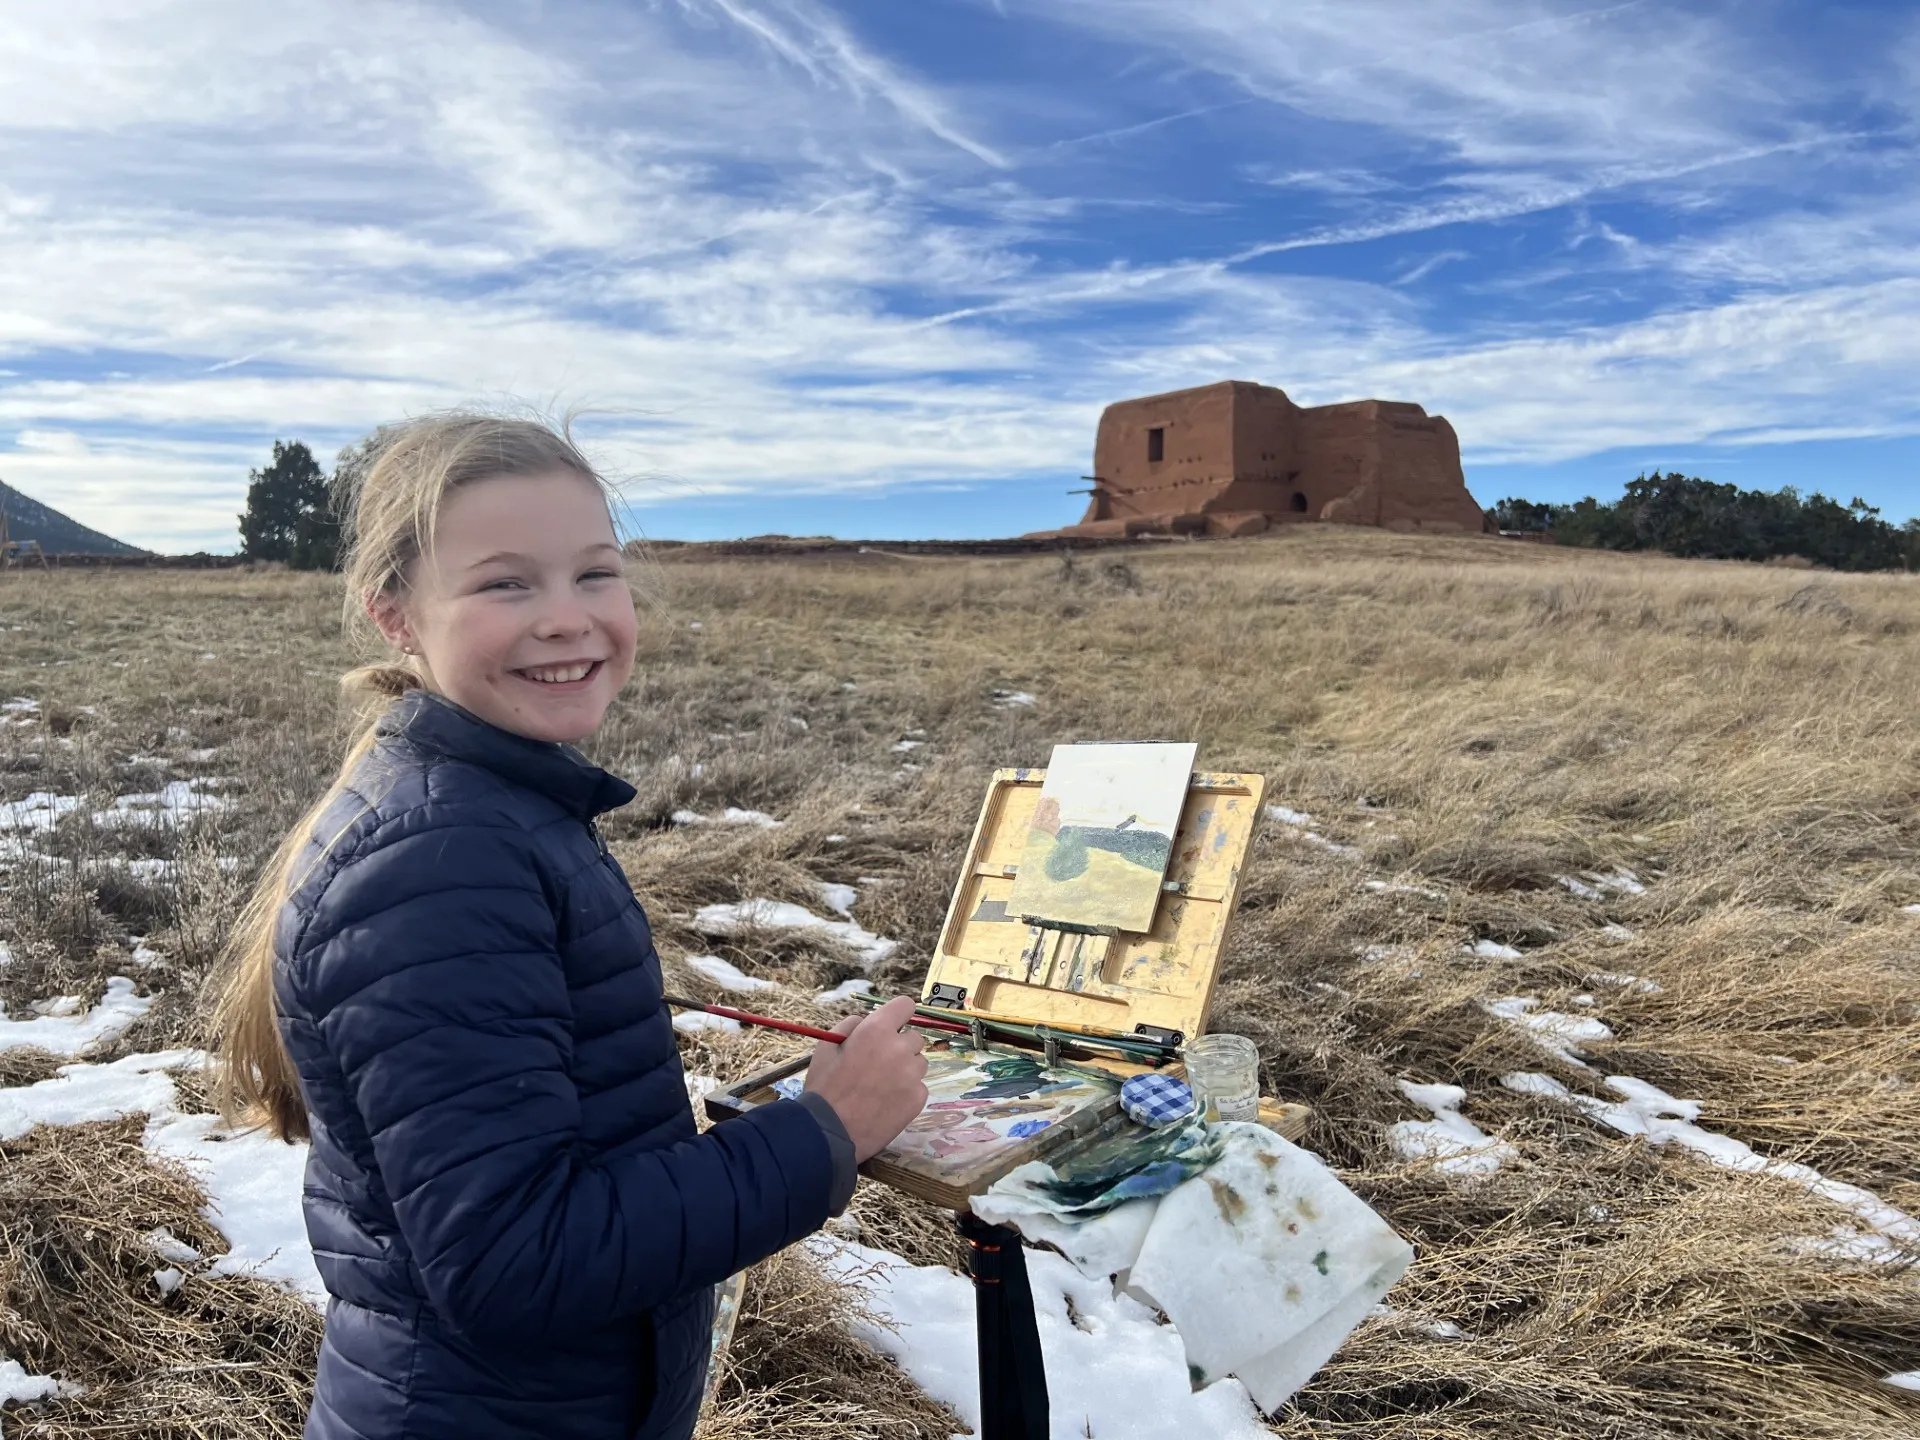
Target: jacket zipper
x=599 y=840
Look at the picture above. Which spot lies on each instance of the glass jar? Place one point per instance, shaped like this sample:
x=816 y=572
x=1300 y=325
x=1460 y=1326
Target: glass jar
x=1224 y=1071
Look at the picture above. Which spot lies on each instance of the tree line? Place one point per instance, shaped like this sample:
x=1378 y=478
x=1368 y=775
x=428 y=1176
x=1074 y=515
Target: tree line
x=1685 y=515
x=293 y=506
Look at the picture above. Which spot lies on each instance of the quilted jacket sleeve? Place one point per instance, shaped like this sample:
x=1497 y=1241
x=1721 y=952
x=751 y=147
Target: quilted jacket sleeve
x=431 y=969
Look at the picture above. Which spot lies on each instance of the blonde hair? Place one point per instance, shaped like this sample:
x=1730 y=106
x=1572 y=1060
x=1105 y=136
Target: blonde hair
x=388 y=508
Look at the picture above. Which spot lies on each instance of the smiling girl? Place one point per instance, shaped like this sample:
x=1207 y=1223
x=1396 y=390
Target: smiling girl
x=444 y=982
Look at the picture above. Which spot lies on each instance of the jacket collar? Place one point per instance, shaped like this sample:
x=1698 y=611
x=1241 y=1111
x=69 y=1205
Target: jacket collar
x=559 y=772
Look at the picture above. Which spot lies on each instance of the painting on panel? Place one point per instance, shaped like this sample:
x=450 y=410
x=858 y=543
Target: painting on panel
x=980 y=1102
x=1101 y=836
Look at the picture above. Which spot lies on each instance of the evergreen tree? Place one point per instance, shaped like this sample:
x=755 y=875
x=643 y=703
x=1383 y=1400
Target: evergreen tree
x=288 y=516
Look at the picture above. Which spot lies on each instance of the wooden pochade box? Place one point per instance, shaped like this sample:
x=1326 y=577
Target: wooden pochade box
x=990 y=1112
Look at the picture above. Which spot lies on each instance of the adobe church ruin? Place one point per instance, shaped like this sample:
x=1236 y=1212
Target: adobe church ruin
x=1235 y=458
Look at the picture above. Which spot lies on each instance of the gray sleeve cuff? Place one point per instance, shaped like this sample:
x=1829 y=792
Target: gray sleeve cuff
x=839 y=1146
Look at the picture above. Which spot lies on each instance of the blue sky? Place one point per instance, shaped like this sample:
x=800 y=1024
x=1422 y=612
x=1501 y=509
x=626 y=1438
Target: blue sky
x=873 y=268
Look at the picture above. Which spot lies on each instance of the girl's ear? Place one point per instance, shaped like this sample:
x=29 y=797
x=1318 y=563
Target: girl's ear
x=385 y=610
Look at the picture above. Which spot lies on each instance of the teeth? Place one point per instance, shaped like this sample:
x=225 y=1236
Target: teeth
x=558 y=674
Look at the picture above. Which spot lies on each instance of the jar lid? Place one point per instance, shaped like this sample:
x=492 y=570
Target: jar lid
x=1155 y=1100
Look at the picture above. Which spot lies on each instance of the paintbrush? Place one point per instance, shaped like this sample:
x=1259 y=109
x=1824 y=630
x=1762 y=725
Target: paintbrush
x=792 y=1027
x=1116 y=1039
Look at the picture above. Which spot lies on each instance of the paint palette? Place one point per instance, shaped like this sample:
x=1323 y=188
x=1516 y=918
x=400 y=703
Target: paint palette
x=990 y=1111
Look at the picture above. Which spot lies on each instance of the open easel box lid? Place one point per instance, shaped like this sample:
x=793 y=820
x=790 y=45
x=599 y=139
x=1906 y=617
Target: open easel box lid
x=1163 y=978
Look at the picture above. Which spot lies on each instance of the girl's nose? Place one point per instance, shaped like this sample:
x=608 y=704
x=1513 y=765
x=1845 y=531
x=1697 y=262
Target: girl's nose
x=562 y=618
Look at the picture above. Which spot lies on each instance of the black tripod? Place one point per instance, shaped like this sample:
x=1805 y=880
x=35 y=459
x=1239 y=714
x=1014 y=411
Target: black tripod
x=1013 y=1377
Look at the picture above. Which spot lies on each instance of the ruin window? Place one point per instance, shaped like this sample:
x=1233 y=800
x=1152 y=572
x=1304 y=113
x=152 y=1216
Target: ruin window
x=1299 y=503
x=1157 y=443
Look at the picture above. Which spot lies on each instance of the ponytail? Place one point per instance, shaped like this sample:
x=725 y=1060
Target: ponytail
x=254 y=1082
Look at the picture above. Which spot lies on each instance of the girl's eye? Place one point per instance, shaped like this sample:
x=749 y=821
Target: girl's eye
x=501 y=585
x=601 y=575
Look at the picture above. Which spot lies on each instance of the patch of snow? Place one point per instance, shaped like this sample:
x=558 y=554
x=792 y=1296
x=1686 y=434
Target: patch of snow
x=1578 y=887
x=1345 y=852
x=6 y=955
x=1289 y=817
x=798 y=723
x=1374 y=954
x=692 y=1022
x=840 y=898
x=169 y=1280
x=783 y=915
x=1649 y=1111
x=1445 y=1330
x=1401 y=887
x=57 y=1026
x=203 y=755
x=1454 y=1143
x=1552 y=1030
x=252 y=1181
x=1911 y=909
x=1903 y=1380
x=1617 y=934
x=1492 y=950
x=1012 y=699
x=845 y=991
x=904 y=746
x=701 y=1086
x=1620 y=980
x=1112 y=1369
x=172 y=804
x=168 y=1247
x=732 y=815
x=836 y=840
x=146 y=959
x=38 y=812
x=18 y=1387
x=727 y=976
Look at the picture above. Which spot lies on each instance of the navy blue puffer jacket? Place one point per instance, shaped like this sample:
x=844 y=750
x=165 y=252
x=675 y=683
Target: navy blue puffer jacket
x=515 y=1218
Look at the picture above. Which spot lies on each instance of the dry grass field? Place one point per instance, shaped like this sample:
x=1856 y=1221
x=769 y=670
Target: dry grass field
x=1676 y=805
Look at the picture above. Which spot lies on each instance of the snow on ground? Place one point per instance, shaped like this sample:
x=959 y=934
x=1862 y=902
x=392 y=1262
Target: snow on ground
x=1649 y=1111
x=732 y=815
x=1300 y=821
x=1113 y=1372
x=1401 y=887
x=37 y=812
x=845 y=991
x=252 y=1180
x=1911 y=909
x=17 y=1385
x=1012 y=699
x=692 y=1022
x=784 y=915
x=173 y=804
x=58 y=1028
x=1491 y=950
x=1620 y=980
x=1618 y=934
x=1552 y=1030
x=1454 y=1143
x=727 y=976
x=1904 y=1380
x=840 y=898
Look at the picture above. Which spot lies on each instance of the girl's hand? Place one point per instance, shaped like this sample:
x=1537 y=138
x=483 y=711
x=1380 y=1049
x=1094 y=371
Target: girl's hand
x=875 y=1079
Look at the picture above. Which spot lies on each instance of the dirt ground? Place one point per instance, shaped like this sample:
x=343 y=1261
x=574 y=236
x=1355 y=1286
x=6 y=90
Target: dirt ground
x=1681 y=800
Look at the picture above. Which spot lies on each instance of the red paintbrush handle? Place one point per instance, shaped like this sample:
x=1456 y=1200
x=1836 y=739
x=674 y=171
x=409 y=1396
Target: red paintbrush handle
x=793 y=1027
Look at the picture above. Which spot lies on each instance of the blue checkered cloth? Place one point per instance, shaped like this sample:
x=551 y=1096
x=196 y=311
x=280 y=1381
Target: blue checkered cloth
x=1155 y=1100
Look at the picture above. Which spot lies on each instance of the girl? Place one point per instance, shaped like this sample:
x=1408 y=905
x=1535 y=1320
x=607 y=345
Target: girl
x=445 y=983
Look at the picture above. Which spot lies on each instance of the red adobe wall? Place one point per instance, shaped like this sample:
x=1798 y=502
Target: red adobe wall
x=1237 y=458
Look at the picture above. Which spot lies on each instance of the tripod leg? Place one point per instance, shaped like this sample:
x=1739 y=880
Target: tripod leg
x=1013 y=1376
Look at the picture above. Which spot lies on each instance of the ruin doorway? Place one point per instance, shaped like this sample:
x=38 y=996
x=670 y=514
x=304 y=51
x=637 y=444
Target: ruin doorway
x=1299 y=502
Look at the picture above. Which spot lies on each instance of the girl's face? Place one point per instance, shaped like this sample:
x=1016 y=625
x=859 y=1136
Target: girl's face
x=521 y=610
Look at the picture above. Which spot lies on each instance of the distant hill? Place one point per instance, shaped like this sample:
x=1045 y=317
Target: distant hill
x=28 y=519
